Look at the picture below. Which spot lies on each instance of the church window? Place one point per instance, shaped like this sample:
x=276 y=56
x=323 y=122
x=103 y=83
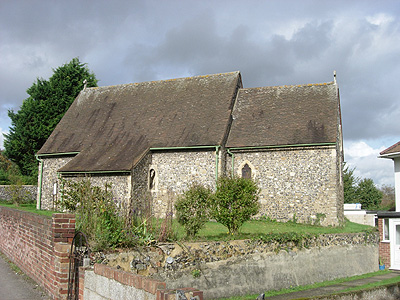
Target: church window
x=152 y=179
x=246 y=171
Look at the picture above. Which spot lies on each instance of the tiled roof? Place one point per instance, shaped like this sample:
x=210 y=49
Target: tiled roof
x=392 y=149
x=112 y=127
x=285 y=115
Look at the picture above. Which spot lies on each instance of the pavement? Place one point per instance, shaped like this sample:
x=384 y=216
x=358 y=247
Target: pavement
x=332 y=289
x=15 y=286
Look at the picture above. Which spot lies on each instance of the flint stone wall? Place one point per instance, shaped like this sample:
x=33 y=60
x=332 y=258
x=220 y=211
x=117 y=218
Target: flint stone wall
x=120 y=184
x=31 y=191
x=296 y=183
x=176 y=171
x=229 y=268
x=49 y=179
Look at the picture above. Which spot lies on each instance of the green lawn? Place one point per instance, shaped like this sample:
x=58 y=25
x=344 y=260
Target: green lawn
x=251 y=229
x=30 y=207
x=254 y=228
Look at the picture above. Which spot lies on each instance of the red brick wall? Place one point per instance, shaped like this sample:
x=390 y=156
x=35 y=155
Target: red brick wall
x=39 y=246
x=384 y=247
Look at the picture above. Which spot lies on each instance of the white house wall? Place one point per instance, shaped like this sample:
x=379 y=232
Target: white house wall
x=397 y=181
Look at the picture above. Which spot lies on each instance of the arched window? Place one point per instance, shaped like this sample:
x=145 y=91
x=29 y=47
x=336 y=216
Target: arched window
x=246 y=171
x=152 y=179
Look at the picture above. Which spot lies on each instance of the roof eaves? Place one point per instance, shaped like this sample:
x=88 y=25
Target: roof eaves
x=390 y=155
x=57 y=154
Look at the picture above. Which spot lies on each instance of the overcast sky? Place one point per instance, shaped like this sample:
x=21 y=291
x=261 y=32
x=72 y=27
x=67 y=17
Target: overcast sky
x=270 y=42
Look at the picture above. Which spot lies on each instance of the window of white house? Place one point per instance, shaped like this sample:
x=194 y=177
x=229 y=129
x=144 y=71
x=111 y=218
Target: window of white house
x=386 y=236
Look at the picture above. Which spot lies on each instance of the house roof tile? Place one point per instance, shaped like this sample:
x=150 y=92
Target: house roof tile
x=392 y=149
x=113 y=126
x=285 y=115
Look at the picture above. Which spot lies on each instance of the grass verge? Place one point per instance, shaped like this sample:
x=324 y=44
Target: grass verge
x=13 y=266
x=321 y=284
x=372 y=285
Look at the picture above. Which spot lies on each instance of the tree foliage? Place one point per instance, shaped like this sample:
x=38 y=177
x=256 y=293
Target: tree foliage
x=368 y=194
x=234 y=202
x=349 y=184
x=361 y=191
x=10 y=174
x=38 y=115
x=388 y=198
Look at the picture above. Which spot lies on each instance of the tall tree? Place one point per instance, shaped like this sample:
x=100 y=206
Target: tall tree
x=388 y=199
x=368 y=194
x=39 y=114
x=350 y=182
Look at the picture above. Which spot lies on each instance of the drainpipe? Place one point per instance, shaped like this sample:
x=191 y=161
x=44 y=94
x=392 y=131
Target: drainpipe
x=216 y=164
x=39 y=200
x=61 y=189
x=233 y=159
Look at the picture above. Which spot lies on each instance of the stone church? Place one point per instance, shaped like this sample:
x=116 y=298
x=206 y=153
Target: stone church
x=151 y=140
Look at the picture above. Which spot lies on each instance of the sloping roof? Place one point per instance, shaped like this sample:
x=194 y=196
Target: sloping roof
x=113 y=127
x=392 y=150
x=285 y=115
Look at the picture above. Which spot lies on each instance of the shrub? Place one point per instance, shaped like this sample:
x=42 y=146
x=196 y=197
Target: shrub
x=234 y=202
x=96 y=212
x=192 y=208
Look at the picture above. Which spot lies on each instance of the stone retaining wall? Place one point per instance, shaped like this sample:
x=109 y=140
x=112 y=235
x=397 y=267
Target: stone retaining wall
x=31 y=191
x=223 y=269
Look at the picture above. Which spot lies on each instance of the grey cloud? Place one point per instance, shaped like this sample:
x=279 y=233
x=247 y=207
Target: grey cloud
x=130 y=41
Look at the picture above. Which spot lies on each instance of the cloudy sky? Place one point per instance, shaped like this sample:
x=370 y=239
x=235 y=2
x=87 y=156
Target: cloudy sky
x=270 y=42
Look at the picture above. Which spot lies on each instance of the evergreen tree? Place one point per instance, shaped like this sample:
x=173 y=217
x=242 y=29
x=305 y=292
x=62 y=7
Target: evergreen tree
x=39 y=114
x=368 y=194
x=349 y=184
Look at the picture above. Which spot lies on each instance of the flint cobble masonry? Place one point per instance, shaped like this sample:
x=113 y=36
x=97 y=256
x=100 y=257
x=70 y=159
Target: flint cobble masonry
x=30 y=190
x=180 y=256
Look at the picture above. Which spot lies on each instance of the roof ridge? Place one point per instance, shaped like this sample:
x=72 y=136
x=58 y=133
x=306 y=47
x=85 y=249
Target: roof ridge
x=161 y=80
x=291 y=85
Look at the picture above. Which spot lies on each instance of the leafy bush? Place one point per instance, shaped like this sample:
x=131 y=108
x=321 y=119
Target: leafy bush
x=96 y=212
x=107 y=225
x=192 y=208
x=234 y=202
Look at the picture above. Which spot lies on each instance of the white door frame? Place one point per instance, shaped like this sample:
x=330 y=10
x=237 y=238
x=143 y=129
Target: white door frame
x=394 y=249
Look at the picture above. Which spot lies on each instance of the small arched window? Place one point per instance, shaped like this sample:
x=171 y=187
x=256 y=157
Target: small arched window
x=246 y=171
x=152 y=179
